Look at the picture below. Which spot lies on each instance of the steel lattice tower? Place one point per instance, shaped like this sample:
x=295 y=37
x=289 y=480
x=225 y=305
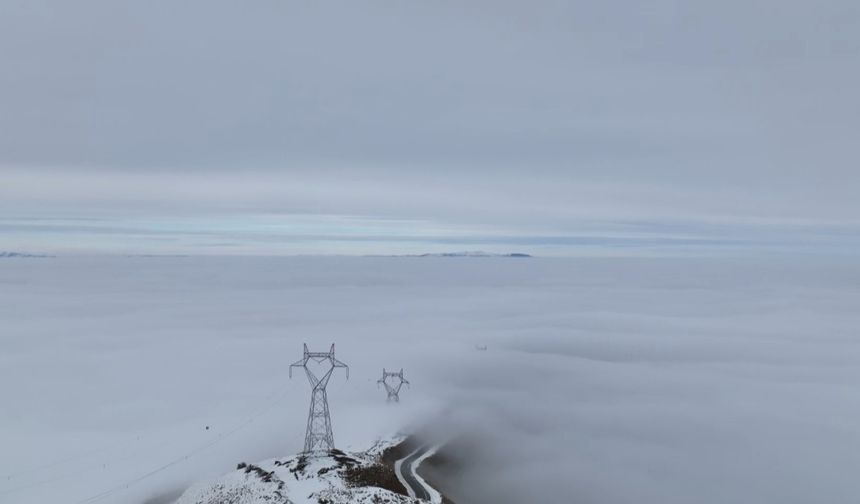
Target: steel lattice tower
x=393 y=389
x=318 y=436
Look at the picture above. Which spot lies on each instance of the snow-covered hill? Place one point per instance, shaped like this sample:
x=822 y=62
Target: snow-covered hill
x=333 y=478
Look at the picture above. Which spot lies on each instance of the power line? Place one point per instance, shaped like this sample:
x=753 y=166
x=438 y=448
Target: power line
x=82 y=470
x=269 y=404
x=70 y=458
x=121 y=445
x=182 y=458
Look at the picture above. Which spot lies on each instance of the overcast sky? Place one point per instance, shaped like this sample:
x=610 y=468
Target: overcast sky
x=389 y=127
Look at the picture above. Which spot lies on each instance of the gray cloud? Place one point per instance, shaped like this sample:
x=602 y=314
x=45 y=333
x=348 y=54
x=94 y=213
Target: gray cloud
x=732 y=111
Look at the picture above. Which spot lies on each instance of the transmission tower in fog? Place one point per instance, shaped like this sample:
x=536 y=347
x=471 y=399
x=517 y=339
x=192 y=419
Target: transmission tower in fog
x=318 y=436
x=393 y=382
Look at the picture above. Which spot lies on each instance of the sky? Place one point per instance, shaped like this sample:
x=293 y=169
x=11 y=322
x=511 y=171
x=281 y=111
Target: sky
x=552 y=127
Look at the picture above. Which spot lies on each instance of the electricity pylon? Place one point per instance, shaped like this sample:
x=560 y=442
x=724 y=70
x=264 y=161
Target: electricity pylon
x=393 y=389
x=318 y=436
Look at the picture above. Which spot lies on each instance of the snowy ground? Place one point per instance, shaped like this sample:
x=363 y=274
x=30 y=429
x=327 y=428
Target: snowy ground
x=304 y=480
x=604 y=381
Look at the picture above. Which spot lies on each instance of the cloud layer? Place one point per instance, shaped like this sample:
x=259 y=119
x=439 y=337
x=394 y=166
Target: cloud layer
x=605 y=380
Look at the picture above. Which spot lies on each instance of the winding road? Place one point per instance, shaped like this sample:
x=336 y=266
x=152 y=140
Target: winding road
x=407 y=472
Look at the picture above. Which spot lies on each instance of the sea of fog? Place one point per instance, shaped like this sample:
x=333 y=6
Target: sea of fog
x=604 y=381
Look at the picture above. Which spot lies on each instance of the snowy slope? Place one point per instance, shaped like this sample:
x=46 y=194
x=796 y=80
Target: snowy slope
x=333 y=478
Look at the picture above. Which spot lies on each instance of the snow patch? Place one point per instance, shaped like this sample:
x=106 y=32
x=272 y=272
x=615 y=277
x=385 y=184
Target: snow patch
x=300 y=480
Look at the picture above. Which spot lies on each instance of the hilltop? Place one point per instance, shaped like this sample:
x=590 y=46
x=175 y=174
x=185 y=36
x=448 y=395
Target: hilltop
x=335 y=477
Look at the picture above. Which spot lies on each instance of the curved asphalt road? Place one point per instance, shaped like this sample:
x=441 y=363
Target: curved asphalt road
x=405 y=469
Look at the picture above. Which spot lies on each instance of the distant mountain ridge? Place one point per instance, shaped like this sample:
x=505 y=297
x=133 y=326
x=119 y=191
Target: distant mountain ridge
x=21 y=254
x=467 y=253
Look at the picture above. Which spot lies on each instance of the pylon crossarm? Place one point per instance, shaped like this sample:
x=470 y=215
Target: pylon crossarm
x=296 y=364
x=338 y=364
